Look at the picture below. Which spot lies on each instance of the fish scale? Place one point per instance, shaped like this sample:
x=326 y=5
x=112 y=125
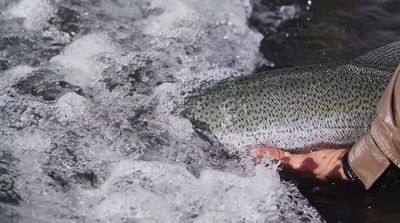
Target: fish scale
x=297 y=107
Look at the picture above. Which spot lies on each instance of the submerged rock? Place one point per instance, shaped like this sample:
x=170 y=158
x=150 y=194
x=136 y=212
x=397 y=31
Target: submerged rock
x=43 y=83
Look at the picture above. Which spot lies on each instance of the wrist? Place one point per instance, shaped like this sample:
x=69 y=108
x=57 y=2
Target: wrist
x=348 y=172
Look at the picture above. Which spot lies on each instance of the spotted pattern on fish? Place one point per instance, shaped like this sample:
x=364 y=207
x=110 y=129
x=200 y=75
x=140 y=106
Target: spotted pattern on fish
x=292 y=108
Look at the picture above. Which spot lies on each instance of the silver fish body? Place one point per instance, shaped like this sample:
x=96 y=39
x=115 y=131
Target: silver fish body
x=297 y=107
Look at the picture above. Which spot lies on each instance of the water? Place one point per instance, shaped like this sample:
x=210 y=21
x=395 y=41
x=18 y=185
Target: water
x=90 y=128
x=321 y=31
x=90 y=95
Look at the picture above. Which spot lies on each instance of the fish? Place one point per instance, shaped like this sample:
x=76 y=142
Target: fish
x=295 y=108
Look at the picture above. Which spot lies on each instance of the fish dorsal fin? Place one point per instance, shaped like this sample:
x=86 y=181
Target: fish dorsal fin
x=387 y=56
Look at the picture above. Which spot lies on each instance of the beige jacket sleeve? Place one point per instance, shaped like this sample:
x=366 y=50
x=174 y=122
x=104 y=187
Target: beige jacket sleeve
x=372 y=154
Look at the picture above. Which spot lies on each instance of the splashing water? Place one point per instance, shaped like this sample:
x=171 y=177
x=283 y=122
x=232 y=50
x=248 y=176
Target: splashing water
x=90 y=126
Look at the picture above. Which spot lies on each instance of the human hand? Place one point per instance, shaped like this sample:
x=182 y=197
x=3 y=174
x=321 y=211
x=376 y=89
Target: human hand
x=324 y=164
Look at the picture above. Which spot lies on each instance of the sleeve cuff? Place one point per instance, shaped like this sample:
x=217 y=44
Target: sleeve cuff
x=349 y=173
x=367 y=161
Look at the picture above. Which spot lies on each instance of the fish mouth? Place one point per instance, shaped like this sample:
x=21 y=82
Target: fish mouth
x=200 y=127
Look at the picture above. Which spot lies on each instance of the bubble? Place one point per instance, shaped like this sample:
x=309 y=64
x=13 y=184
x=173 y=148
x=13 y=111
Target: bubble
x=94 y=121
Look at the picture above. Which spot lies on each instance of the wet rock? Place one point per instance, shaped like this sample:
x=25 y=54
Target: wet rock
x=44 y=83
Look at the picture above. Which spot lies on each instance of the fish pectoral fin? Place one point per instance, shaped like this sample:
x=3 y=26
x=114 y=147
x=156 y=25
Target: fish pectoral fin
x=206 y=135
x=387 y=56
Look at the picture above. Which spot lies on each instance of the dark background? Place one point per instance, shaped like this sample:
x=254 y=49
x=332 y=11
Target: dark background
x=329 y=30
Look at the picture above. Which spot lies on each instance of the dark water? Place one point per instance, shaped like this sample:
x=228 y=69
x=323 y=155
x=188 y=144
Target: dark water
x=323 y=31
x=327 y=30
x=343 y=202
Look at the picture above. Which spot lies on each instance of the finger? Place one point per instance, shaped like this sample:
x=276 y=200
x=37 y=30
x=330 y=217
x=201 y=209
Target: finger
x=276 y=153
x=281 y=155
x=256 y=151
x=261 y=151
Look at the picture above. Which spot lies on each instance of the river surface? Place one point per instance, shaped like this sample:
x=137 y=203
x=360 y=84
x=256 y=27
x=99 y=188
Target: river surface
x=91 y=93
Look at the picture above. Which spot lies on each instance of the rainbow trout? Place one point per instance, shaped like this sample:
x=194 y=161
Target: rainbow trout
x=296 y=107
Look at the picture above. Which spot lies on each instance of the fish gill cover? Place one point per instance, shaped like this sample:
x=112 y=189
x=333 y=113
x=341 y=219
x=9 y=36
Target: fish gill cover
x=90 y=125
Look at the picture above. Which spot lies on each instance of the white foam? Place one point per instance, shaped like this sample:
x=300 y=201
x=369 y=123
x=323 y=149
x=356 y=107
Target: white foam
x=275 y=16
x=221 y=41
x=160 y=192
x=35 y=12
x=135 y=69
x=71 y=107
x=10 y=76
x=79 y=58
